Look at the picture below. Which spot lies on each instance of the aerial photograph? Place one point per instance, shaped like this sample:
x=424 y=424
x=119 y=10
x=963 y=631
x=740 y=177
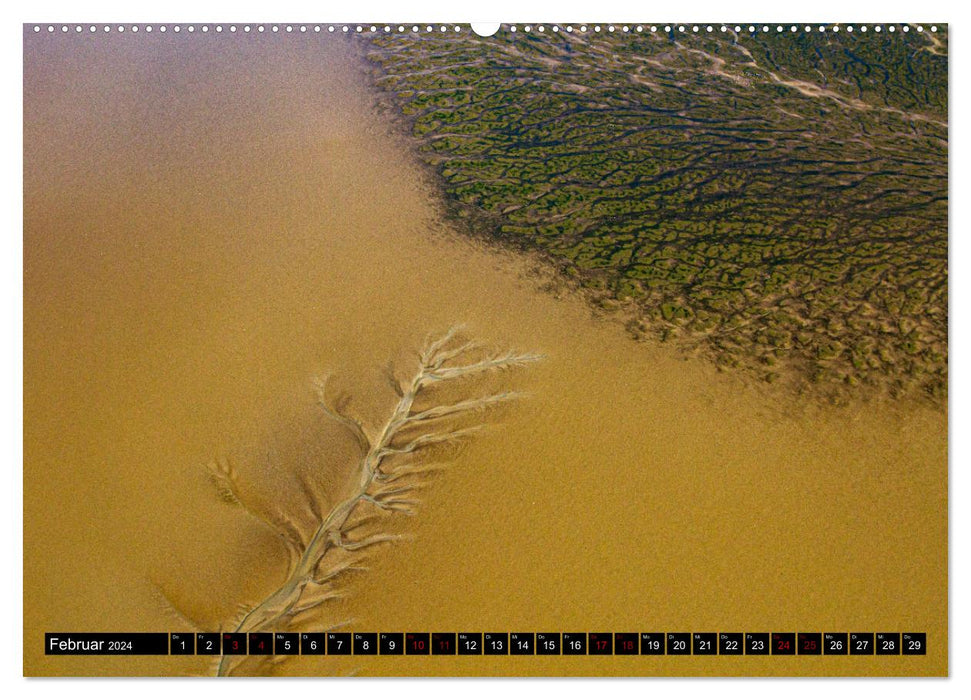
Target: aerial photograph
x=400 y=350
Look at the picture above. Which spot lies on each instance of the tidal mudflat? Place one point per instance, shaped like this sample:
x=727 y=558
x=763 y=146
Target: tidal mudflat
x=213 y=222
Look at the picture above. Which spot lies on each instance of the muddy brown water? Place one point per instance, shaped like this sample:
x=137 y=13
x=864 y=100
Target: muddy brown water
x=213 y=221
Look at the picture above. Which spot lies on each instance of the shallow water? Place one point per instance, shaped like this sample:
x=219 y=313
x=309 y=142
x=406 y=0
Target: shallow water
x=211 y=222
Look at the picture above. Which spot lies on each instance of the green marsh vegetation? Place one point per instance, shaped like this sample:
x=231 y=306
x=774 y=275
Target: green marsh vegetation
x=774 y=201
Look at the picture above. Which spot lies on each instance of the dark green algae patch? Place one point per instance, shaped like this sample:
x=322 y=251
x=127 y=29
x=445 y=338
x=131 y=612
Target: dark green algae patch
x=774 y=201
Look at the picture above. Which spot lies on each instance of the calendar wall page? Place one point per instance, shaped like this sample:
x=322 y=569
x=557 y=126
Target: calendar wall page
x=434 y=350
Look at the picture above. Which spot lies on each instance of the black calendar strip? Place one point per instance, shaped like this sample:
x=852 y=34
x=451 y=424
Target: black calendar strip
x=490 y=643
